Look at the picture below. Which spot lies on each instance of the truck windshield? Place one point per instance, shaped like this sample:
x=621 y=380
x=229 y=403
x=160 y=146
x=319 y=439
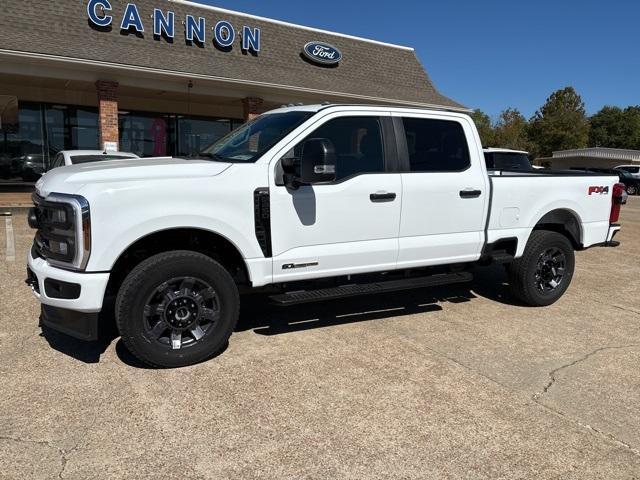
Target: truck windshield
x=253 y=139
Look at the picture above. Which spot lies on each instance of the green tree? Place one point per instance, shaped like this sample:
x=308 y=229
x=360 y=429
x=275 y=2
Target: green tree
x=484 y=126
x=560 y=124
x=614 y=127
x=511 y=130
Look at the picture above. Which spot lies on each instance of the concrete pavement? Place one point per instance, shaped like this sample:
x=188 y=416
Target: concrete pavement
x=454 y=382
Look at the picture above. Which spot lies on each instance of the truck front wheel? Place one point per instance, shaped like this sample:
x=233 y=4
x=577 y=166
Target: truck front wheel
x=543 y=273
x=176 y=309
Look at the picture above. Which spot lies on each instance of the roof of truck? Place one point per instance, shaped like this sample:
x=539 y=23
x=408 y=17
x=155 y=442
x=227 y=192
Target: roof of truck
x=325 y=106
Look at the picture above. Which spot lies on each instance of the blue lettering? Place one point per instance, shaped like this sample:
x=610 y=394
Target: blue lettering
x=163 y=24
x=196 y=29
x=225 y=35
x=131 y=18
x=92 y=11
x=251 y=39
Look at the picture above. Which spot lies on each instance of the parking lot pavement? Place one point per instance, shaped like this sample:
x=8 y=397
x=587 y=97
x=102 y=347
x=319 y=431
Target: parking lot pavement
x=453 y=382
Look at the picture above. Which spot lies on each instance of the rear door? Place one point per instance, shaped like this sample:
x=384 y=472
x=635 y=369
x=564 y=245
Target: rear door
x=444 y=188
x=346 y=226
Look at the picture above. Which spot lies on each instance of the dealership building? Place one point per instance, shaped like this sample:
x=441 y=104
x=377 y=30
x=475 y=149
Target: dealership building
x=168 y=77
x=595 y=157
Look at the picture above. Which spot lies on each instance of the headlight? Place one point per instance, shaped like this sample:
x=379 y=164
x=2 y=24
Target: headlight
x=64 y=229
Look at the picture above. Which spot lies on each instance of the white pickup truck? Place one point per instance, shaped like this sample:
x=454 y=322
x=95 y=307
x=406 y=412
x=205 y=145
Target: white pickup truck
x=366 y=199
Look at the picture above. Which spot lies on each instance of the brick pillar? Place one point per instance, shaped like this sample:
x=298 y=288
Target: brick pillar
x=108 y=108
x=252 y=107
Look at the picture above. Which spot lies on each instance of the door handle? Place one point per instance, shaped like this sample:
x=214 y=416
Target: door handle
x=382 y=197
x=470 y=193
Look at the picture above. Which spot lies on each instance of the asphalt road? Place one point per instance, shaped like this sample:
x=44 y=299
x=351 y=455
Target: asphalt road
x=447 y=383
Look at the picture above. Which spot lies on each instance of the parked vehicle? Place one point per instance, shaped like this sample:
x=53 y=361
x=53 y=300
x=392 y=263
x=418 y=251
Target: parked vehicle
x=73 y=157
x=316 y=202
x=631 y=184
x=505 y=159
x=632 y=169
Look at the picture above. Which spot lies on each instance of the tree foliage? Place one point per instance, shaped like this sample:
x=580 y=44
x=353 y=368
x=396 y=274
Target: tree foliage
x=613 y=127
x=560 y=124
x=484 y=126
x=511 y=130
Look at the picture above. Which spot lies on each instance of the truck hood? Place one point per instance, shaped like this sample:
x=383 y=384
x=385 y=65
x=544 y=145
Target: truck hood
x=72 y=178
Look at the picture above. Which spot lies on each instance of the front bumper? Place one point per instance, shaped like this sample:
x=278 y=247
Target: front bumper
x=92 y=286
x=77 y=316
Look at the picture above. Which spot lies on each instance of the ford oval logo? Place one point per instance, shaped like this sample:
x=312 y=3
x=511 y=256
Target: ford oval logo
x=322 y=53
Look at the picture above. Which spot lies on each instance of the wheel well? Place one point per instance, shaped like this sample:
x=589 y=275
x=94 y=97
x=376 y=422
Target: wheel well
x=564 y=222
x=202 y=241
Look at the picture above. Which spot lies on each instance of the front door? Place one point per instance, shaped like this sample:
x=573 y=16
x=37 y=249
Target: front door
x=347 y=226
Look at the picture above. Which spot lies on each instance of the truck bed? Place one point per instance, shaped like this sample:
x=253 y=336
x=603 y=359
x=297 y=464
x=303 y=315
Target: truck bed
x=520 y=200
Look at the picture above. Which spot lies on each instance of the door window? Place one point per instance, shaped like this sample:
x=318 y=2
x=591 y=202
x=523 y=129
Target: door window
x=436 y=145
x=357 y=142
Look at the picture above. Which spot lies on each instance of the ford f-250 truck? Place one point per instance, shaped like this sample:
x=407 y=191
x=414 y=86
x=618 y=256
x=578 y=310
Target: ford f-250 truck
x=317 y=202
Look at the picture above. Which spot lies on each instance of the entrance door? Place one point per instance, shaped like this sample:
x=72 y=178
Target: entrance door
x=444 y=194
x=344 y=227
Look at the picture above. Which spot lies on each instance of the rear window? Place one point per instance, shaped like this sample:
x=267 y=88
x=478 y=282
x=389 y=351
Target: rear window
x=507 y=161
x=96 y=158
x=436 y=145
x=631 y=169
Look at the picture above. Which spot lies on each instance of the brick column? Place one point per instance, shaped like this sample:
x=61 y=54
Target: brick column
x=252 y=107
x=108 y=108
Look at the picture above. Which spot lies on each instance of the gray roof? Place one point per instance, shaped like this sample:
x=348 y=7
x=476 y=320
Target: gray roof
x=368 y=71
x=600 y=152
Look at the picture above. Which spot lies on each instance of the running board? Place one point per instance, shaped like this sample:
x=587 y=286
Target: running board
x=309 y=296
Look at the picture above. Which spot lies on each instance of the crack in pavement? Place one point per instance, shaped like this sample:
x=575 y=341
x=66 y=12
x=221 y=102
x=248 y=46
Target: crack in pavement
x=552 y=374
x=64 y=454
x=619 y=307
x=537 y=397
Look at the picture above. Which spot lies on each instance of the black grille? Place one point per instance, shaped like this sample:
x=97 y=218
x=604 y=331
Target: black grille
x=262 y=210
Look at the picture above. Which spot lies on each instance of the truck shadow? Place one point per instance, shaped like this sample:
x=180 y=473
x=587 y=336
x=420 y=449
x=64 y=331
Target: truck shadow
x=259 y=315
x=264 y=318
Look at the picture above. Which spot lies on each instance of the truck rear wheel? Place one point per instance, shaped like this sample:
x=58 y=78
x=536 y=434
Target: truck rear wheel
x=543 y=273
x=176 y=309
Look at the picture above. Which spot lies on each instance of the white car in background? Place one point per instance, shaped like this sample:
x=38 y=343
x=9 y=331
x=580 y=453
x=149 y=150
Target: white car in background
x=506 y=159
x=74 y=157
x=632 y=169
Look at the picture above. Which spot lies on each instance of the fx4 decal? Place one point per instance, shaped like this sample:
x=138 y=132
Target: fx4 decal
x=599 y=190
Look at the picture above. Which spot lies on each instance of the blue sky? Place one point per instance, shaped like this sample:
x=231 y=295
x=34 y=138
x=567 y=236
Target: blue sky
x=493 y=54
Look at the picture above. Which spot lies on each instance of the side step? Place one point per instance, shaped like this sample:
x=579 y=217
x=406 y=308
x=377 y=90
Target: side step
x=308 y=296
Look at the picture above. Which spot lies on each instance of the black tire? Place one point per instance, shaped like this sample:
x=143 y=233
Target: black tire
x=209 y=289
x=632 y=190
x=532 y=277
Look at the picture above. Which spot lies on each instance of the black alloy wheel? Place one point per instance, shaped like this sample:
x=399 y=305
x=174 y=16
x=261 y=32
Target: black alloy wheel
x=177 y=308
x=544 y=271
x=550 y=270
x=180 y=312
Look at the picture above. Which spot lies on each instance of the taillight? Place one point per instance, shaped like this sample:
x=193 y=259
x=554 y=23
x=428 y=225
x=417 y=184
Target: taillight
x=618 y=199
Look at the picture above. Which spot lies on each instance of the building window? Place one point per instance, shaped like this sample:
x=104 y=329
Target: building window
x=42 y=130
x=22 y=152
x=195 y=134
x=147 y=134
x=71 y=128
x=158 y=135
